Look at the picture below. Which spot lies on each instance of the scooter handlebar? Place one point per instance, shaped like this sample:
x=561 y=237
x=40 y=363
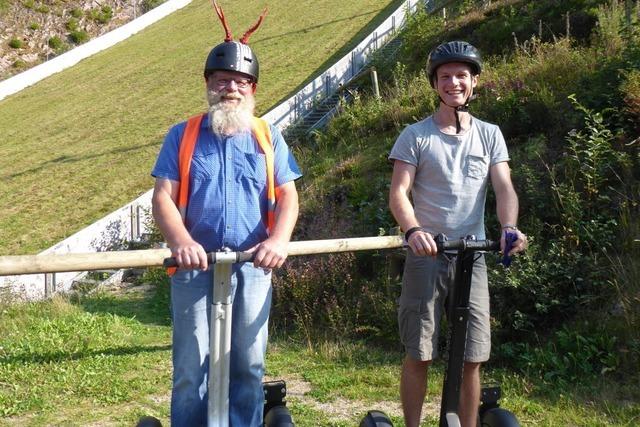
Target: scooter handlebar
x=215 y=258
x=468 y=243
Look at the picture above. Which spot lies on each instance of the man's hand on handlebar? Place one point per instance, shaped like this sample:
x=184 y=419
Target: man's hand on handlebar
x=422 y=243
x=190 y=255
x=518 y=245
x=270 y=253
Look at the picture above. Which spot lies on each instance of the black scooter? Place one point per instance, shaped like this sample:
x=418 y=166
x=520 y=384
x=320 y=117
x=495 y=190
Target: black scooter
x=490 y=413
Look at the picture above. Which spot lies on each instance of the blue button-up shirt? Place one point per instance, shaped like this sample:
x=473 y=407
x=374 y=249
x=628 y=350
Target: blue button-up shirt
x=228 y=184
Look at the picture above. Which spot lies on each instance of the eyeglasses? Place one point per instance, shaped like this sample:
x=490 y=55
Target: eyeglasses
x=240 y=83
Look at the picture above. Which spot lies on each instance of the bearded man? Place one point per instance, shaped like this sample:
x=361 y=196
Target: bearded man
x=230 y=202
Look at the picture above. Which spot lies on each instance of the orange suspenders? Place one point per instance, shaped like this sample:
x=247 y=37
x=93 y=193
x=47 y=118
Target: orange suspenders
x=262 y=134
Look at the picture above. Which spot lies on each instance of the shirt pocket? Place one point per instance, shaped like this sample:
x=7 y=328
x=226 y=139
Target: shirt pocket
x=254 y=168
x=477 y=166
x=205 y=164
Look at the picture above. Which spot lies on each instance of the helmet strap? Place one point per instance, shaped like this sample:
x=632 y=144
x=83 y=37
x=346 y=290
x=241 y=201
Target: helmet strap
x=460 y=108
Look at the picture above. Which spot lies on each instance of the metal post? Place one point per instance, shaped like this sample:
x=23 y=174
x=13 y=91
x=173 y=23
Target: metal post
x=135 y=222
x=353 y=63
x=220 y=346
x=327 y=85
x=374 y=81
x=49 y=284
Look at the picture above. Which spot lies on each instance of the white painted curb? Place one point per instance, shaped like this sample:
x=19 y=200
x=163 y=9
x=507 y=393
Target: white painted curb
x=33 y=75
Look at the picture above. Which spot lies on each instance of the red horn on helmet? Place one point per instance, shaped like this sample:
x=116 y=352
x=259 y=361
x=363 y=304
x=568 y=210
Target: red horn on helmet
x=245 y=37
x=228 y=37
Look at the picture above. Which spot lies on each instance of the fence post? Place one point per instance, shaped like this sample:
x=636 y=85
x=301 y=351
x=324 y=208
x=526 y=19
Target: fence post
x=135 y=222
x=327 y=85
x=49 y=284
x=374 y=80
x=353 y=63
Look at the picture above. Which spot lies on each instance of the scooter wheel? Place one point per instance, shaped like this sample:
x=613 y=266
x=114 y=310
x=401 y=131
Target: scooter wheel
x=278 y=416
x=149 y=422
x=376 y=419
x=498 y=417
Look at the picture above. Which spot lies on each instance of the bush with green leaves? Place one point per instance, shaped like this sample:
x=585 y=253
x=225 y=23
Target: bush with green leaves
x=19 y=64
x=72 y=24
x=55 y=43
x=16 y=43
x=147 y=5
x=567 y=357
x=101 y=15
x=78 y=36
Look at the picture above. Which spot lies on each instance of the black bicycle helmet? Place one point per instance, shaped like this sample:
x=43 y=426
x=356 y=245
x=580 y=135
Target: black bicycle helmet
x=233 y=55
x=455 y=51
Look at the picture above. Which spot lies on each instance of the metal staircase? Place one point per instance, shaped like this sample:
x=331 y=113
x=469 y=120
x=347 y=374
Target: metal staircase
x=322 y=111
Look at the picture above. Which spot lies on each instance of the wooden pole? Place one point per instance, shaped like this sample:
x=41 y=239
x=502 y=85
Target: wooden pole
x=55 y=263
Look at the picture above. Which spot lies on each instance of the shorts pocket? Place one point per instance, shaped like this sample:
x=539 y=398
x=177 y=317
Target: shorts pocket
x=415 y=322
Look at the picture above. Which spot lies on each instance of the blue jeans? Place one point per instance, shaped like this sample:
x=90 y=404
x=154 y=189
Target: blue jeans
x=191 y=295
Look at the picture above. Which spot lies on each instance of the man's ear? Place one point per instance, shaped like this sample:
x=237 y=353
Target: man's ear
x=254 y=87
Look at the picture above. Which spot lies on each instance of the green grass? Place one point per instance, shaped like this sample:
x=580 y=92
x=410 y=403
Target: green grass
x=105 y=359
x=81 y=143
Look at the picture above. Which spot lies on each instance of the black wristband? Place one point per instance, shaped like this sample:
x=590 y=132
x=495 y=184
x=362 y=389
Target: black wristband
x=410 y=231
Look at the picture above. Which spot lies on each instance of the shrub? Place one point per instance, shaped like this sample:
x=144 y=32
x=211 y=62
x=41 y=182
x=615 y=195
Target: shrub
x=15 y=43
x=42 y=8
x=76 y=12
x=102 y=15
x=72 y=24
x=566 y=357
x=55 y=42
x=630 y=89
x=34 y=26
x=78 y=36
x=19 y=64
x=147 y=5
x=29 y=4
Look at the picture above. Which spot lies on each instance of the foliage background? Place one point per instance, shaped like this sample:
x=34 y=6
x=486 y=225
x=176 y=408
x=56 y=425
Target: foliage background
x=561 y=80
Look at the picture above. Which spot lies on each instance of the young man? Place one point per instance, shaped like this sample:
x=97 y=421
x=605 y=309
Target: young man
x=229 y=205
x=446 y=162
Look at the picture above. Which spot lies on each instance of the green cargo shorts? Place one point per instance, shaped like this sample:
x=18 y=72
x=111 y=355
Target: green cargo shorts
x=425 y=285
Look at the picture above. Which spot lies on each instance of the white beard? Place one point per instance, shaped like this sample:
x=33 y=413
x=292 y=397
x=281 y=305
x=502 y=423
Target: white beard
x=228 y=118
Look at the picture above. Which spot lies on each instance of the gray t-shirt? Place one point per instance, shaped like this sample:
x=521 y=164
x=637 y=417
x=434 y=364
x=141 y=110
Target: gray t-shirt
x=452 y=172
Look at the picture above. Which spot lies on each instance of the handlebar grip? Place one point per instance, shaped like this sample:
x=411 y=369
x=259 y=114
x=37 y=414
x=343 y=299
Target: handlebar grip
x=477 y=245
x=169 y=262
x=245 y=256
x=213 y=257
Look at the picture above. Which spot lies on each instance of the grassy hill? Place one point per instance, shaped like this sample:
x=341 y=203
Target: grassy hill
x=81 y=143
x=566 y=317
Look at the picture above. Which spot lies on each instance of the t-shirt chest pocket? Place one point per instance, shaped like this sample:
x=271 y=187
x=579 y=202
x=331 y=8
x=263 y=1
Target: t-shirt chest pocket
x=477 y=166
x=253 y=167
